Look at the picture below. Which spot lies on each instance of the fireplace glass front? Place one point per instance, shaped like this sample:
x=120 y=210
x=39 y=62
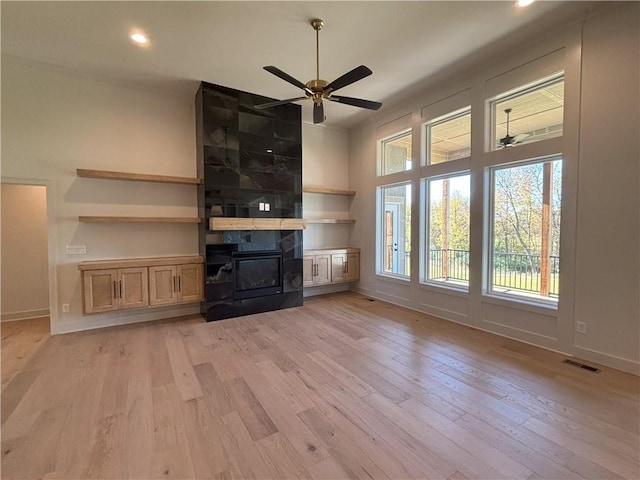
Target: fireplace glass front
x=257 y=274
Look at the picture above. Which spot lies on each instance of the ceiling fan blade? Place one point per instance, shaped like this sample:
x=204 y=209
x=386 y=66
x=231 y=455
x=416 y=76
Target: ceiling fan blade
x=356 y=102
x=279 y=102
x=318 y=113
x=348 y=78
x=285 y=76
x=520 y=137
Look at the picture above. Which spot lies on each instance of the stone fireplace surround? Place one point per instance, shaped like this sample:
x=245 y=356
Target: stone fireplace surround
x=251 y=164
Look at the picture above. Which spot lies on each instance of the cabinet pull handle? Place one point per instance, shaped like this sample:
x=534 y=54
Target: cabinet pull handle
x=179 y=285
x=174 y=283
x=345 y=267
x=115 y=291
x=120 y=287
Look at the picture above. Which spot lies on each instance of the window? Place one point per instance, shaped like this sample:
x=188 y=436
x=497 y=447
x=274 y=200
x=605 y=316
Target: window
x=447 y=259
x=395 y=229
x=449 y=138
x=395 y=154
x=525 y=229
x=529 y=115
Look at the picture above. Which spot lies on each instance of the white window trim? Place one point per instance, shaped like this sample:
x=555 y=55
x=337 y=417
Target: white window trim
x=487 y=257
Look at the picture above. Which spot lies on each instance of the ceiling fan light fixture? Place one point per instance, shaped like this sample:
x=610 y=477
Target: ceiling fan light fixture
x=319 y=90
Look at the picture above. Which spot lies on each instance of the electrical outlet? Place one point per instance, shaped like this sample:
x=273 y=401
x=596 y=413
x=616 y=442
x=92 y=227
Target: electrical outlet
x=65 y=307
x=75 y=249
x=581 y=327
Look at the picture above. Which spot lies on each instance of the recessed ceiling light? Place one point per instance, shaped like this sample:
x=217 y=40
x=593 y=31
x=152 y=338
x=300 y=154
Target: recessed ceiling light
x=139 y=38
x=524 y=3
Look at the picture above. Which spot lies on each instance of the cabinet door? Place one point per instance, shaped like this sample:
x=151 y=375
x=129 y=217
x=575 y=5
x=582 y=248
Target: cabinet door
x=100 y=288
x=308 y=267
x=133 y=287
x=353 y=267
x=338 y=267
x=323 y=269
x=162 y=285
x=190 y=283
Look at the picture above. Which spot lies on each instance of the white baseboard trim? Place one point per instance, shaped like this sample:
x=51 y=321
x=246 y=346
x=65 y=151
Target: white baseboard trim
x=618 y=363
x=323 y=290
x=600 y=358
x=25 y=315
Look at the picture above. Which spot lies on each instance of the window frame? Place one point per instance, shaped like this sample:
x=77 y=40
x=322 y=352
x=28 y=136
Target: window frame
x=521 y=90
x=425 y=132
x=381 y=152
x=487 y=251
x=381 y=231
x=425 y=232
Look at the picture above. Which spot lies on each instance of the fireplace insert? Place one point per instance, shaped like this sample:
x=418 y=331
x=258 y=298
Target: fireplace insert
x=257 y=274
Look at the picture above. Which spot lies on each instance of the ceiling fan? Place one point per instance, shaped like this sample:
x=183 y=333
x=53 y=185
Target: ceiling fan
x=319 y=90
x=511 y=140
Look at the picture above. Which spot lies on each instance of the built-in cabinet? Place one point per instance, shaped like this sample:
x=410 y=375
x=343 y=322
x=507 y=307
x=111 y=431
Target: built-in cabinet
x=345 y=267
x=115 y=289
x=170 y=284
x=110 y=285
x=316 y=269
x=330 y=266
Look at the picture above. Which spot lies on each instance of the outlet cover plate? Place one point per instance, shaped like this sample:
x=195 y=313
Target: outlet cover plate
x=75 y=249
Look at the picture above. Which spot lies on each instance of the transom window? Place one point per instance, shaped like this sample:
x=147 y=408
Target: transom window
x=449 y=138
x=531 y=114
x=395 y=153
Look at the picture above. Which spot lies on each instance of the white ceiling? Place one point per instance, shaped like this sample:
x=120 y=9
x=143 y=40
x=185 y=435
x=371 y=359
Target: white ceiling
x=228 y=43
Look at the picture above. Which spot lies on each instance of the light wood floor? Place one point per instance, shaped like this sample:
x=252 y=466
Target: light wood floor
x=343 y=387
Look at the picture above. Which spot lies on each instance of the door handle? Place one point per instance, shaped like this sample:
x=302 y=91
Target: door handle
x=179 y=285
x=115 y=290
x=120 y=287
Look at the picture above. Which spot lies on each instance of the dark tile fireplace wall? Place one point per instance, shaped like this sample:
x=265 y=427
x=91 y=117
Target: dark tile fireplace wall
x=251 y=163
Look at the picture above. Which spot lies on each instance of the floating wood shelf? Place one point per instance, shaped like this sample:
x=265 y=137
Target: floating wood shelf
x=138 y=177
x=139 y=219
x=233 y=223
x=330 y=220
x=329 y=191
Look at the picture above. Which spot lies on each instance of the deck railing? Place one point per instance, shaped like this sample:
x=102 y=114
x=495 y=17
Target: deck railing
x=515 y=271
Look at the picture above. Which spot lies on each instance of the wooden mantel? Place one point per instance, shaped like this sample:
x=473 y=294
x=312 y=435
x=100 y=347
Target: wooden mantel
x=234 y=223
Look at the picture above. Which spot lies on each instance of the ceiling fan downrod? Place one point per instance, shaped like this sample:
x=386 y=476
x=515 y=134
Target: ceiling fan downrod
x=317 y=25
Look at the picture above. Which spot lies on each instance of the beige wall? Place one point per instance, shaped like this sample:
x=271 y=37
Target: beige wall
x=325 y=163
x=54 y=122
x=608 y=235
x=25 y=275
x=600 y=231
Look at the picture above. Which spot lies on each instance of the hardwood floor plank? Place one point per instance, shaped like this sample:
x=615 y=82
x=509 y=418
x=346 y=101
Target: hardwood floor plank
x=183 y=374
x=394 y=439
x=11 y=397
x=215 y=394
x=280 y=455
x=307 y=444
x=347 y=454
x=242 y=451
x=253 y=415
x=203 y=430
x=603 y=455
x=171 y=455
x=342 y=387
